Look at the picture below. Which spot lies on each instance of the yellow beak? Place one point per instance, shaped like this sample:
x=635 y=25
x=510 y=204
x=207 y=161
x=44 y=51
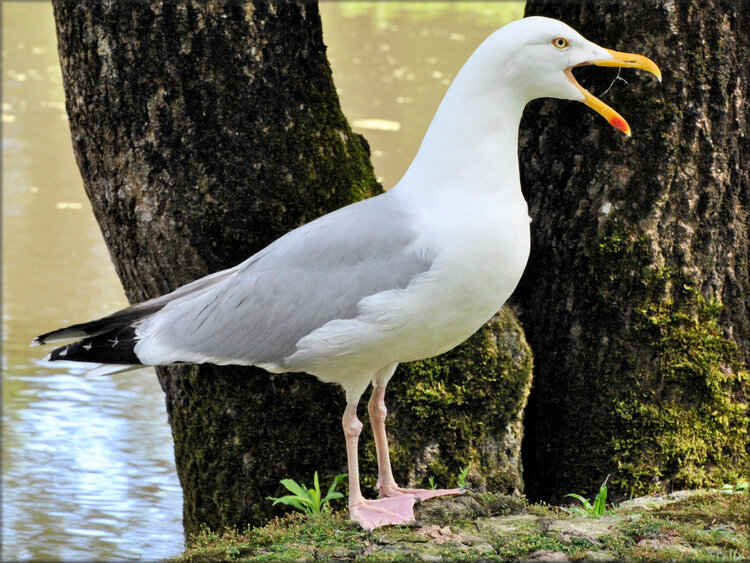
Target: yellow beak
x=622 y=60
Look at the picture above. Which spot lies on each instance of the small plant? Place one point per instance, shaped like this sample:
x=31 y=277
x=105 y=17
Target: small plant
x=635 y=486
x=431 y=480
x=461 y=480
x=740 y=487
x=309 y=501
x=597 y=509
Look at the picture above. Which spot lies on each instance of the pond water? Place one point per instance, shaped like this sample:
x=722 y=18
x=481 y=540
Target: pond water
x=88 y=467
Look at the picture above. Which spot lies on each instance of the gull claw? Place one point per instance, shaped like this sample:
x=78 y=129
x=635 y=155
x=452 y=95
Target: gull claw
x=371 y=514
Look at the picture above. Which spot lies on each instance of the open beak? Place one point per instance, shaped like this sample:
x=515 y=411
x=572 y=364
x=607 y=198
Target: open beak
x=622 y=60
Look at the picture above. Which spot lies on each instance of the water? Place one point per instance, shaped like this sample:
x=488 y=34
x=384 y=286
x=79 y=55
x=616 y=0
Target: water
x=88 y=468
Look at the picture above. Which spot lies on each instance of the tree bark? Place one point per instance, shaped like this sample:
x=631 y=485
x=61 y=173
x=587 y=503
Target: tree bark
x=204 y=131
x=636 y=297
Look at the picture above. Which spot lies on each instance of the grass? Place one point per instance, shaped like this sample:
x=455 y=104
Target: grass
x=461 y=479
x=597 y=509
x=703 y=526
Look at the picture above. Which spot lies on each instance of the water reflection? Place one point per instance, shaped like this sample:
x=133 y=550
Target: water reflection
x=91 y=475
x=88 y=469
x=87 y=463
x=393 y=61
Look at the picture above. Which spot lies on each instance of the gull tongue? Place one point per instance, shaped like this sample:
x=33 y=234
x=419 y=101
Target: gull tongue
x=614 y=118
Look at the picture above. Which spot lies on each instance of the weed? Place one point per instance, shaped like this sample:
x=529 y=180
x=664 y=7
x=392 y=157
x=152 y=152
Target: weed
x=740 y=487
x=598 y=508
x=309 y=501
x=461 y=480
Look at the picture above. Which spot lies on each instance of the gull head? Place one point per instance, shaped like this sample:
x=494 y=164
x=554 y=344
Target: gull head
x=539 y=55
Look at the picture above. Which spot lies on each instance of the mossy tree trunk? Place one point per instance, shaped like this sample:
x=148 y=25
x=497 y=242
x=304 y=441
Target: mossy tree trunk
x=204 y=131
x=636 y=297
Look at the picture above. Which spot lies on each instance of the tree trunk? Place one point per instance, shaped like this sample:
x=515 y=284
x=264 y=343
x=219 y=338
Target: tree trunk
x=203 y=132
x=636 y=297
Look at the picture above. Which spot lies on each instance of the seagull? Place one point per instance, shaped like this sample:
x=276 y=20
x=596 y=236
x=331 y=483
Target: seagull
x=402 y=276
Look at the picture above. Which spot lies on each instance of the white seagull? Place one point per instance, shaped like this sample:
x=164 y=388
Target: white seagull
x=402 y=276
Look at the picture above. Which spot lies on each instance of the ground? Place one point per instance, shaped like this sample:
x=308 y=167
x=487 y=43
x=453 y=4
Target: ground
x=705 y=525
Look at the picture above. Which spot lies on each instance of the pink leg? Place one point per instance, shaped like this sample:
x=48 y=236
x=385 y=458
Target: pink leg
x=370 y=514
x=386 y=483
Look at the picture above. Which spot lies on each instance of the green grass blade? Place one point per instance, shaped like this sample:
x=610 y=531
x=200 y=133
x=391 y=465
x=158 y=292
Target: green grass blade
x=289 y=500
x=293 y=487
x=336 y=480
x=315 y=500
x=461 y=480
x=584 y=501
x=332 y=494
x=601 y=500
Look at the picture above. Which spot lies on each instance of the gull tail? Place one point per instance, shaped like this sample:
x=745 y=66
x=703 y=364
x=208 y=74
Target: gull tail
x=112 y=323
x=113 y=347
x=110 y=340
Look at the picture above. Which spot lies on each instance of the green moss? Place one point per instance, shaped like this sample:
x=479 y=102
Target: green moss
x=660 y=401
x=704 y=526
x=283 y=539
x=461 y=409
x=679 y=409
x=523 y=546
x=684 y=422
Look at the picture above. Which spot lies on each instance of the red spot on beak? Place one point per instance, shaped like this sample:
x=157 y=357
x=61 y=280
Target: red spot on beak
x=619 y=123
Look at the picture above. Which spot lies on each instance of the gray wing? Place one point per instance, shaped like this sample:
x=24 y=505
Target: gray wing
x=315 y=274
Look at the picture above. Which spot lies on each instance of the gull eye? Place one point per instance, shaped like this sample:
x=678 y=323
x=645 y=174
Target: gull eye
x=560 y=42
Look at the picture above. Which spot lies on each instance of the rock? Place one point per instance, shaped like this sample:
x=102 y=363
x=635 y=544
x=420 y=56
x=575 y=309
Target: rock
x=649 y=502
x=599 y=556
x=444 y=510
x=587 y=528
x=568 y=535
x=547 y=555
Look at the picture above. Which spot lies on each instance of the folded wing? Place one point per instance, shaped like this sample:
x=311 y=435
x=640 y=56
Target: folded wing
x=256 y=312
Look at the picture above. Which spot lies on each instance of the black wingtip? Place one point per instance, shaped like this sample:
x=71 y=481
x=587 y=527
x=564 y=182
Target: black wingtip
x=120 y=320
x=115 y=347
